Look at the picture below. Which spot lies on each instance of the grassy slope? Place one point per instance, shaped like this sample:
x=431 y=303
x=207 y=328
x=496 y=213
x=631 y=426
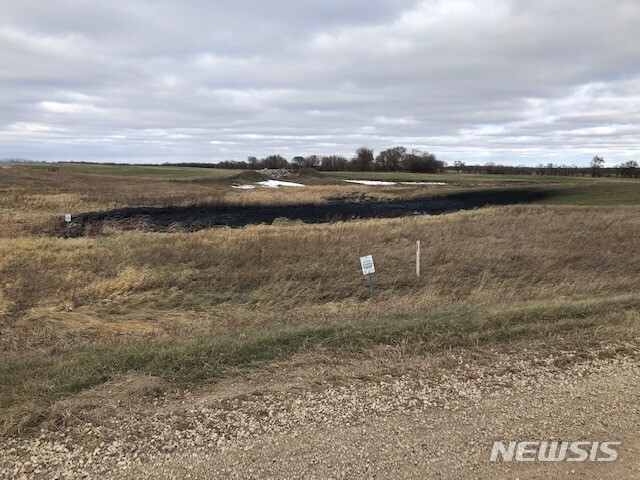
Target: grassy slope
x=298 y=272
x=610 y=193
x=189 y=306
x=561 y=190
x=30 y=385
x=488 y=276
x=471 y=178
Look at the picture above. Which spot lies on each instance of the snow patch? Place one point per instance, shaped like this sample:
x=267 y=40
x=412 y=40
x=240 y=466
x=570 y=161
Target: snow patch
x=371 y=182
x=423 y=183
x=279 y=183
x=384 y=182
x=243 y=186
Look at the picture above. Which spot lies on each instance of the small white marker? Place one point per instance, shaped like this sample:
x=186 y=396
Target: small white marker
x=67 y=218
x=367 y=265
x=368 y=268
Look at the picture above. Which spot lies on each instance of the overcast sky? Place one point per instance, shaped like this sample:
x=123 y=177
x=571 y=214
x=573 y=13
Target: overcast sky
x=154 y=81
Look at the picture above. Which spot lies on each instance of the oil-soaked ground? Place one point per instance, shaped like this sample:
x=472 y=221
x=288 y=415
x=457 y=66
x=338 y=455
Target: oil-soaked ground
x=197 y=217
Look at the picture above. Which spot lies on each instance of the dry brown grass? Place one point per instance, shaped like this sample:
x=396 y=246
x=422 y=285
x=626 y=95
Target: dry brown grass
x=32 y=202
x=187 y=307
x=63 y=293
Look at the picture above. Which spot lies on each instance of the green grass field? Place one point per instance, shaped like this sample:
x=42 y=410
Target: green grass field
x=561 y=190
x=471 y=178
x=611 y=191
x=144 y=171
x=604 y=193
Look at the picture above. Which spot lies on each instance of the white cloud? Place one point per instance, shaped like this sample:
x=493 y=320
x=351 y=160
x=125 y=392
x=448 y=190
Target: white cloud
x=395 y=120
x=68 y=108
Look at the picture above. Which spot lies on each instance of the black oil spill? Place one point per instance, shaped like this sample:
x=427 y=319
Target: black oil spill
x=198 y=217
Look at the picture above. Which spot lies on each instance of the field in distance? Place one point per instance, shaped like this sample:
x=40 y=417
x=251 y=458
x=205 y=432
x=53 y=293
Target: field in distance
x=141 y=171
x=470 y=178
x=176 y=173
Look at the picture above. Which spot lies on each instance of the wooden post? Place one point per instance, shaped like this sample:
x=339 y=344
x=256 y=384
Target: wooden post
x=418 y=258
x=67 y=219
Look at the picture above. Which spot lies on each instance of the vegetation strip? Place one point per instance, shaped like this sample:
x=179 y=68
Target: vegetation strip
x=36 y=381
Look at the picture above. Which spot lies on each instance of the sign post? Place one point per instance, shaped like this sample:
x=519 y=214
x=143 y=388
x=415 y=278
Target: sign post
x=67 y=219
x=418 y=258
x=369 y=269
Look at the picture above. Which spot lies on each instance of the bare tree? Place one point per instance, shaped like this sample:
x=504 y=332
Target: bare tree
x=596 y=166
x=629 y=169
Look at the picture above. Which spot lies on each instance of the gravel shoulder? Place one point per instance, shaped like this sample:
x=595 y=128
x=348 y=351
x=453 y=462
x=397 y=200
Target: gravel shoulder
x=387 y=417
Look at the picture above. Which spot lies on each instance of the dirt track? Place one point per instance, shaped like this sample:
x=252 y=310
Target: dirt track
x=449 y=442
x=351 y=423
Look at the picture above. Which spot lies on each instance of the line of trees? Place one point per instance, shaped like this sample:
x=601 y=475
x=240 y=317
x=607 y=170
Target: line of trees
x=628 y=169
x=399 y=159
x=395 y=159
x=596 y=168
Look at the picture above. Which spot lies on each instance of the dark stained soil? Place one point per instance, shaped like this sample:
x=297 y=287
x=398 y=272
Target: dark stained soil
x=197 y=217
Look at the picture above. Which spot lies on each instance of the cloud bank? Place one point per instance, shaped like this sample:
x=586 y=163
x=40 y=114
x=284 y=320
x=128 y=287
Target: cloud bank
x=515 y=82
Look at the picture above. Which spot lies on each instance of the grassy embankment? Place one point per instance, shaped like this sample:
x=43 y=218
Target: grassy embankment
x=560 y=190
x=192 y=306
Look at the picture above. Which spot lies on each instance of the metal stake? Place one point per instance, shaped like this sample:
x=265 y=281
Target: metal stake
x=371 y=284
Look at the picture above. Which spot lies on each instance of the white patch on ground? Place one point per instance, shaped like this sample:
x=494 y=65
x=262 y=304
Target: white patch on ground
x=279 y=183
x=371 y=182
x=387 y=183
x=243 y=187
x=423 y=183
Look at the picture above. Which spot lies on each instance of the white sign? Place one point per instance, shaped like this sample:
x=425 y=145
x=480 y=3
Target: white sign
x=67 y=217
x=367 y=265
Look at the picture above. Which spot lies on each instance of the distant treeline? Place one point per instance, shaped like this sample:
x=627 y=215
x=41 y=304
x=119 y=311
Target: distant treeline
x=399 y=159
x=396 y=159
x=19 y=160
x=628 y=169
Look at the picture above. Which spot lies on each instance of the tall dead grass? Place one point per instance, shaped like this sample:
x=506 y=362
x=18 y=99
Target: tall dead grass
x=58 y=292
x=32 y=202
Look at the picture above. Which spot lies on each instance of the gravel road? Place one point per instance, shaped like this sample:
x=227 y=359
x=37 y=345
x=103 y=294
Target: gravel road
x=424 y=422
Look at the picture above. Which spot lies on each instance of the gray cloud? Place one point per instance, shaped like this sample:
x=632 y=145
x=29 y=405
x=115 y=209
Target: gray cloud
x=509 y=81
